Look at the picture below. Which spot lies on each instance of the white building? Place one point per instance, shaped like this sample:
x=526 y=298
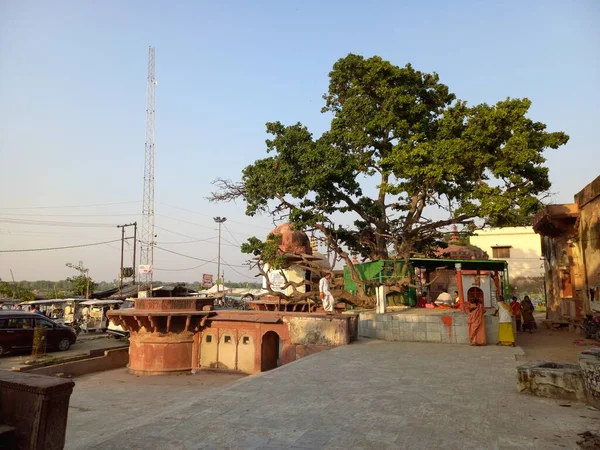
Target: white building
x=519 y=246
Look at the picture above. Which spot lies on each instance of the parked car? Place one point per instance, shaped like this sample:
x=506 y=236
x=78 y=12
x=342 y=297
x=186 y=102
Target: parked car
x=16 y=331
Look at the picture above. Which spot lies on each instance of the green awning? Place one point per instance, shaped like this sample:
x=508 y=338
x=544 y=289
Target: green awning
x=466 y=264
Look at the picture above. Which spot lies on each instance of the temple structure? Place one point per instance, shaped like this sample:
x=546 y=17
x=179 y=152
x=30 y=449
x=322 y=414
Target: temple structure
x=570 y=235
x=169 y=335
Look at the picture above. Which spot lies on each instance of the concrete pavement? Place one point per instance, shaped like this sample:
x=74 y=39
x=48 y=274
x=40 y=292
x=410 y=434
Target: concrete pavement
x=369 y=395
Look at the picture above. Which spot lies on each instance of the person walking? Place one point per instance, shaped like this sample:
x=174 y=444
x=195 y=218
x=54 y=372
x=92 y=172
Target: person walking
x=325 y=293
x=476 y=321
x=506 y=336
x=515 y=306
x=527 y=309
x=85 y=318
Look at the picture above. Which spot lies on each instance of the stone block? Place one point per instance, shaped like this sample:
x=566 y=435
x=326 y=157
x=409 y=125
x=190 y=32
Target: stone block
x=435 y=327
x=37 y=407
x=462 y=339
x=589 y=360
x=420 y=336
x=552 y=380
x=420 y=327
x=432 y=318
x=434 y=336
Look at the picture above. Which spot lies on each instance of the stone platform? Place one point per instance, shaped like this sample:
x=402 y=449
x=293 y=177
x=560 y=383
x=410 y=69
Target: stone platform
x=422 y=325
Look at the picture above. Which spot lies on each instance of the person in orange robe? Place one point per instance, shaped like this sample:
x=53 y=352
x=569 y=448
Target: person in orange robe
x=476 y=321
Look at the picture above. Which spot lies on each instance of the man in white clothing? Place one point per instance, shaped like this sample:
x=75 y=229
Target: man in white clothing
x=444 y=299
x=325 y=294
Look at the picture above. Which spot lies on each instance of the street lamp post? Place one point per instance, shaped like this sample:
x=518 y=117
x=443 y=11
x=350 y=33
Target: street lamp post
x=220 y=221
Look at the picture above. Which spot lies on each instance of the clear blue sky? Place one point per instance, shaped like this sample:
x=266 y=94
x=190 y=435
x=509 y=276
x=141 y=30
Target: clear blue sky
x=72 y=102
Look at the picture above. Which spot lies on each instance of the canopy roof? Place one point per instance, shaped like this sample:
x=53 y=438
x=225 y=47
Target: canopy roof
x=466 y=264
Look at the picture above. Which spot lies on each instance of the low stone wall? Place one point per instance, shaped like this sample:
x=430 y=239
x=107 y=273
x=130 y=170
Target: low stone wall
x=589 y=360
x=422 y=326
x=112 y=359
x=37 y=407
x=552 y=380
x=320 y=330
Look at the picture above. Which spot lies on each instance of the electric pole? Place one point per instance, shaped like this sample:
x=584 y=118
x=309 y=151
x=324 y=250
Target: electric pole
x=123 y=238
x=147 y=234
x=220 y=221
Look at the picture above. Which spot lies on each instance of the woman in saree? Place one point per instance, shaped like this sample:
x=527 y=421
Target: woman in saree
x=476 y=321
x=527 y=313
x=506 y=335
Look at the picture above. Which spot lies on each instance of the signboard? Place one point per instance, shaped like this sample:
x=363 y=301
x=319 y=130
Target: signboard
x=145 y=269
x=207 y=280
x=277 y=281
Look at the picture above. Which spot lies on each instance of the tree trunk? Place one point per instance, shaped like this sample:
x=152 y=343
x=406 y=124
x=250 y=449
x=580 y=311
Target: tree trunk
x=39 y=341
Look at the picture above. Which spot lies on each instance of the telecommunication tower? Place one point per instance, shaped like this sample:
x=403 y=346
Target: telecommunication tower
x=147 y=229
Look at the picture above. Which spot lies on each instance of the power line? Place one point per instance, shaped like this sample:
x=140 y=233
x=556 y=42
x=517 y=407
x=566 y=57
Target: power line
x=190 y=257
x=239 y=273
x=188 y=242
x=49 y=223
x=57 y=248
x=208 y=215
x=71 y=206
x=232 y=236
x=186 y=235
x=65 y=215
x=186 y=221
x=189 y=268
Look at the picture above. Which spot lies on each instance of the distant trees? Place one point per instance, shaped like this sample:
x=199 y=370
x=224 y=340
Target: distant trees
x=81 y=284
x=8 y=290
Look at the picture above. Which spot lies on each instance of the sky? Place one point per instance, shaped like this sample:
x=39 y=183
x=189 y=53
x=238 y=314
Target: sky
x=72 y=107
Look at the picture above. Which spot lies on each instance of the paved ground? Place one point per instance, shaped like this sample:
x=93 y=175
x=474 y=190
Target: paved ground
x=370 y=395
x=106 y=403
x=83 y=346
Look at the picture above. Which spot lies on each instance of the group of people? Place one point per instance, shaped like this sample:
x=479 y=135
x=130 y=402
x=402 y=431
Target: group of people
x=505 y=313
x=444 y=300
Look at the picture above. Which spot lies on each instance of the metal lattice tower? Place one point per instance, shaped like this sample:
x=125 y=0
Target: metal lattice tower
x=147 y=229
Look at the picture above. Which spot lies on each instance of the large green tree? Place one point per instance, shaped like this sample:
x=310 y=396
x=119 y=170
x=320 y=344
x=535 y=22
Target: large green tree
x=434 y=161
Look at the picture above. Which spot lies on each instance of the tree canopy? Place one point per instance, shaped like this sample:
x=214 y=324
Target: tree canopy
x=434 y=160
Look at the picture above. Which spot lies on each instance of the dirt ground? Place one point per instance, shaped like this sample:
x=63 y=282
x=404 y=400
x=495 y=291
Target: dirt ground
x=553 y=345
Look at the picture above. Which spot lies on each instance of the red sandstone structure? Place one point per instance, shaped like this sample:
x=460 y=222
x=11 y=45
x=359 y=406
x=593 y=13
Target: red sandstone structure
x=169 y=335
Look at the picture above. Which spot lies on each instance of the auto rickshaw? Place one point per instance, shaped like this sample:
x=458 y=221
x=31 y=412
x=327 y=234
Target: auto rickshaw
x=97 y=319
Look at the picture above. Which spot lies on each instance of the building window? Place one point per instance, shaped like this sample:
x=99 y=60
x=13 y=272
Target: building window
x=246 y=340
x=500 y=252
x=208 y=338
x=228 y=339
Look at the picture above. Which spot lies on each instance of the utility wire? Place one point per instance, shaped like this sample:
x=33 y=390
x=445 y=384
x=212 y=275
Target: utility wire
x=232 y=236
x=71 y=206
x=188 y=236
x=64 y=215
x=208 y=215
x=190 y=257
x=189 y=268
x=49 y=223
x=58 y=248
x=239 y=273
x=186 y=221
